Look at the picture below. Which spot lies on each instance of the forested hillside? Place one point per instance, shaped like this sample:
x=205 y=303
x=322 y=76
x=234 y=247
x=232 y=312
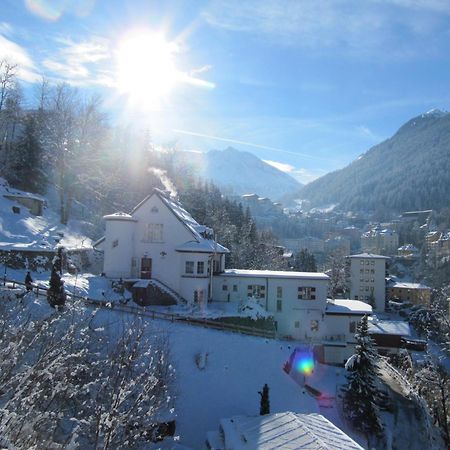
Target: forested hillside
x=409 y=171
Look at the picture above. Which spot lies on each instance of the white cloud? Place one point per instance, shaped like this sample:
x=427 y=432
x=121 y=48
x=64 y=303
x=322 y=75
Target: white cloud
x=78 y=62
x=288 y=168
x=18 y=55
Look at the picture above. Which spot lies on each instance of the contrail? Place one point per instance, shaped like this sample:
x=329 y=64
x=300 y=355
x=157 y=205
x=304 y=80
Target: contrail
x=248 y=144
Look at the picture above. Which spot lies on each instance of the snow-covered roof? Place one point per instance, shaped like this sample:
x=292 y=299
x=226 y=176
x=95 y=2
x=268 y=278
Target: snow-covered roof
x=368 y=256
x=204 y=246
x=406 y=285
x=348 y=306
x=273 y=274
x=141 y=284
x=119 y=216
x=408 y=247
x=395 y=327
x=285 y=430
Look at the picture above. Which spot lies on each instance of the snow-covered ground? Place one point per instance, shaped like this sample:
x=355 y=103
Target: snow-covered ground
x=218 y=374
x=26 y=231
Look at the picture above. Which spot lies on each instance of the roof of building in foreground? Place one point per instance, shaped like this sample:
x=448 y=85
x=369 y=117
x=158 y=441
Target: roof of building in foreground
x=285 y=430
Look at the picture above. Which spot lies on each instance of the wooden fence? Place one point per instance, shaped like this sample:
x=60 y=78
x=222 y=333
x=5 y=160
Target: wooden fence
x=151 y=314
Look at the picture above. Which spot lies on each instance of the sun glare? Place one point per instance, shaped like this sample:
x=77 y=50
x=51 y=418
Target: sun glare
x=145 y=68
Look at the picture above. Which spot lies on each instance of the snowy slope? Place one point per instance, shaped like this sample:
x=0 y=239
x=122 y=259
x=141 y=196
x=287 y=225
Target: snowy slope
x=25 y=230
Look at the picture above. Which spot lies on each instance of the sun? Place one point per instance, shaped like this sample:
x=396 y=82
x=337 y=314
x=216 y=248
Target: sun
x=146 y=69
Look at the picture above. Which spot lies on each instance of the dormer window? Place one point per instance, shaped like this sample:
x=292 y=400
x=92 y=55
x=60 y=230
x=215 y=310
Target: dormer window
x=154 y=209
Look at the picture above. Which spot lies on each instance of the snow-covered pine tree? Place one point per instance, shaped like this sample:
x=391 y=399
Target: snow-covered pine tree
x=265 y=402
x=55 y=293
x=360 y=393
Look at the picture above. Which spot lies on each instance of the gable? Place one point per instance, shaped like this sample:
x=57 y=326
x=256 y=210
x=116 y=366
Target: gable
x=153 y=210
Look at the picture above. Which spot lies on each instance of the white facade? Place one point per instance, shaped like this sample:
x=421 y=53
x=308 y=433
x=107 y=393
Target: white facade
x=160 y=240
x=296 y=300
x=342 y=317
x=368 y=279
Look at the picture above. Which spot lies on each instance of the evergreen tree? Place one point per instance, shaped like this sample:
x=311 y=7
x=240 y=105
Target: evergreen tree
x=26 y=160
x=265 y=402
x=360 y=393
x=56 y=295
x=304 y=261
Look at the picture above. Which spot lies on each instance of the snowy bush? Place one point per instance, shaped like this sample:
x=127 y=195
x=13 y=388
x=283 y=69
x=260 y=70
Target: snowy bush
x=65 y=384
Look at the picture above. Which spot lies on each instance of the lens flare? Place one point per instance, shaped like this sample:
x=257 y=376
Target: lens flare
x=303 y=361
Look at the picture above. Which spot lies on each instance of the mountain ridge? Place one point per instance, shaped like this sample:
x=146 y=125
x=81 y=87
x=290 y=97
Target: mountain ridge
x=410 y=170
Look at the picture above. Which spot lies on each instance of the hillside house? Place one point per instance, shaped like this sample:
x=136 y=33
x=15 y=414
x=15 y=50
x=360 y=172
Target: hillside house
x=415 y=293
x=168 y=257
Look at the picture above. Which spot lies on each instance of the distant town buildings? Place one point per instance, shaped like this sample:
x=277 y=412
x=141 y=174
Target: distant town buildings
x=380 y=241
x=368 y=279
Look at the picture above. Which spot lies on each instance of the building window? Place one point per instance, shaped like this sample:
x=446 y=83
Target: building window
x=234 y=287
x=367 y=263
x=362 y=262
x=154 y=232
x=279 y=292
x=224 y=287
x=200 y=267
x=306 y=293
x=256 y=291
x=352 y=327
x=361 y=270
x=279 y=305
x=372 y=263
x=115 y=243
x=297 y=324
x=314 y=325
x=189 y=267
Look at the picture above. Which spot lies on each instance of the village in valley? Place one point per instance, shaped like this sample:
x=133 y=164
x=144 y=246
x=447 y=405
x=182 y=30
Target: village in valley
x=224 y=225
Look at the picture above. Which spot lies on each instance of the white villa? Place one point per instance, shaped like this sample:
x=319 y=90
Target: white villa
x=159 y=246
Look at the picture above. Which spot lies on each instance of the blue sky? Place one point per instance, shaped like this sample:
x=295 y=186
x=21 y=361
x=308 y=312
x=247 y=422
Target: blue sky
x=307 y=84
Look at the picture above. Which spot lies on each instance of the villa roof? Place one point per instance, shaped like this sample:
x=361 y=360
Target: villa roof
x=273 y=274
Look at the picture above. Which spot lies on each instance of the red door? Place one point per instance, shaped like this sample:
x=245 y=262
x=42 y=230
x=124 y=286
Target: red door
x=146 y=268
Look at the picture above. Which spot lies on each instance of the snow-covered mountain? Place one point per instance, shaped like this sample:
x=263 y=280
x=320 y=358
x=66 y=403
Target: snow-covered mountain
x=238 y=172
